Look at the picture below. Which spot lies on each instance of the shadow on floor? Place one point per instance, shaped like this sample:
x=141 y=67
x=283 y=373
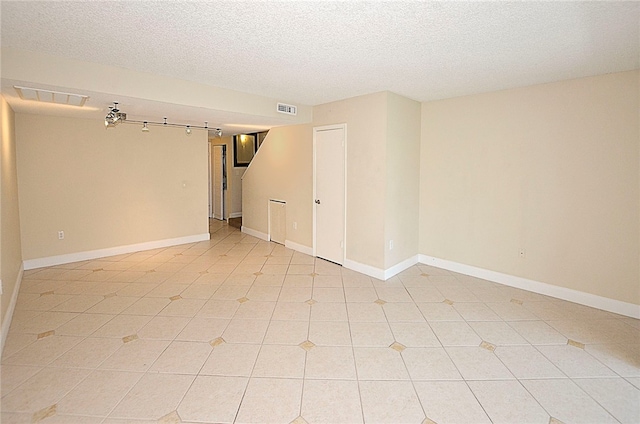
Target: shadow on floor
x=236 y=222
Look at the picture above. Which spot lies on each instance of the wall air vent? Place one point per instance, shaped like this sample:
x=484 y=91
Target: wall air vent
x=288 y=109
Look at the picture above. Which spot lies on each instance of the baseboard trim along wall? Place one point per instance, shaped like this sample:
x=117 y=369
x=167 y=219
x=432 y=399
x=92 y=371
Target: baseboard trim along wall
x=111 y=251
x=8 y=314
x=235 y=215
x=287 y=243
x=587 y=299
x=298 y=247
x=369 y=270
x=380 y=274
x=398 y=268
x=255 y=233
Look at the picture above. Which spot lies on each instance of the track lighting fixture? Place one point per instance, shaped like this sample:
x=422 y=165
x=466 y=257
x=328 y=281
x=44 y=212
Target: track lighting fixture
x=115 y=117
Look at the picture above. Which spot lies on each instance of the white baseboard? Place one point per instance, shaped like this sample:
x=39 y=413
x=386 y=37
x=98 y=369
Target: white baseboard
x=398 y=268
x=111 y=251
x=369 y=270
x=587 y=299
x=299 y=247
x=235 y=215
x=8 y=314
x=289 y=244
x=380 y=274
x=255 y=233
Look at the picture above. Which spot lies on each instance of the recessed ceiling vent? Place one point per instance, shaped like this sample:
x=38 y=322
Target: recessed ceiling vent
x=288 y=109
x=49 y=96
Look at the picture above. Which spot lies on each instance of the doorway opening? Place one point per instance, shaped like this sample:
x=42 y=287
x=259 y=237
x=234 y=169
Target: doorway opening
x=217 y=181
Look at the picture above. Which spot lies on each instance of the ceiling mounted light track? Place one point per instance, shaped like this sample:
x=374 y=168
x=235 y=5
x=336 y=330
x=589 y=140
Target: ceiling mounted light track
x=115 y=117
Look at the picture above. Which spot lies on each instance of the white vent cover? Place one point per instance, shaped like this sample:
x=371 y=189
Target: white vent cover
x=288 y=109
x=40 y=95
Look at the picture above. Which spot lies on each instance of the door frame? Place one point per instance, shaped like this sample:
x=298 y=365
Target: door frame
x=344 y=230
x=225 y=177
x=209 y=162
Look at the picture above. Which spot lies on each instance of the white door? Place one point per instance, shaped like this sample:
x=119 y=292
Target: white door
x=218 y=183
x=329 y=192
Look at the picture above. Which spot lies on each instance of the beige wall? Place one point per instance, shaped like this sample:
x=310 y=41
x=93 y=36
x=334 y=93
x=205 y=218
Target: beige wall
x=107 y=188
x=383 y=146
x=235 y=177
x=403 y=179
x=553 y=169
x=235 y=195
x=366 y=119
x=282 y=170
x=10 y=248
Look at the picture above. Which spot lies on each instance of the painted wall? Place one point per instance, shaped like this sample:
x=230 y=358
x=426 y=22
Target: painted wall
x=366 y=119
x=552 y=169
x=282 y=170
x=402 y=179
x=107 y=188
x=235 y=195
x=10 y=245
x=383 y=150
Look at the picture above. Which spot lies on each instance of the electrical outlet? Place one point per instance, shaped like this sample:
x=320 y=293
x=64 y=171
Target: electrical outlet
x=60 y=235
x=523 y=253
x=390 y=244
x=295 y=225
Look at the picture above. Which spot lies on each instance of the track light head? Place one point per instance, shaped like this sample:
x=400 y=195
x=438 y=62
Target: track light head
x=114 y=117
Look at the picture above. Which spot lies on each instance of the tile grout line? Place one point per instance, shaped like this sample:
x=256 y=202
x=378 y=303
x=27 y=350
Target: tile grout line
x=406 y=368
x=353 y=352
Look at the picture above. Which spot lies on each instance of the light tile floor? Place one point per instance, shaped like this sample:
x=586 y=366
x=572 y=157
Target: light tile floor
x=240 y=330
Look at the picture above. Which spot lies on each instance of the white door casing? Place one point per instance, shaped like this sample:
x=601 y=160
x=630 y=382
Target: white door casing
x=329 y=189
x=210 y=184
x=217 y=192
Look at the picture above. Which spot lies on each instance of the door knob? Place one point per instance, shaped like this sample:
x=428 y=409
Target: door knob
x=317 y=201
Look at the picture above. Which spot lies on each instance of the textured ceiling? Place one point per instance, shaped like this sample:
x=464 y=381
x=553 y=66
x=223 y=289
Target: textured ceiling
x=315 y=52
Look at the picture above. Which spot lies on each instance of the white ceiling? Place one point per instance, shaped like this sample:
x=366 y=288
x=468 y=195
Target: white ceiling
x=313 y=52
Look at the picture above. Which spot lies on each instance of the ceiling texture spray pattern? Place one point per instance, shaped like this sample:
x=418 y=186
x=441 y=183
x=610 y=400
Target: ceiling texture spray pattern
x=316 y=52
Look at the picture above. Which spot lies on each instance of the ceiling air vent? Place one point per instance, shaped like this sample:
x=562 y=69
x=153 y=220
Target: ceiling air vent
x=288 y=109
x=48 y=96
